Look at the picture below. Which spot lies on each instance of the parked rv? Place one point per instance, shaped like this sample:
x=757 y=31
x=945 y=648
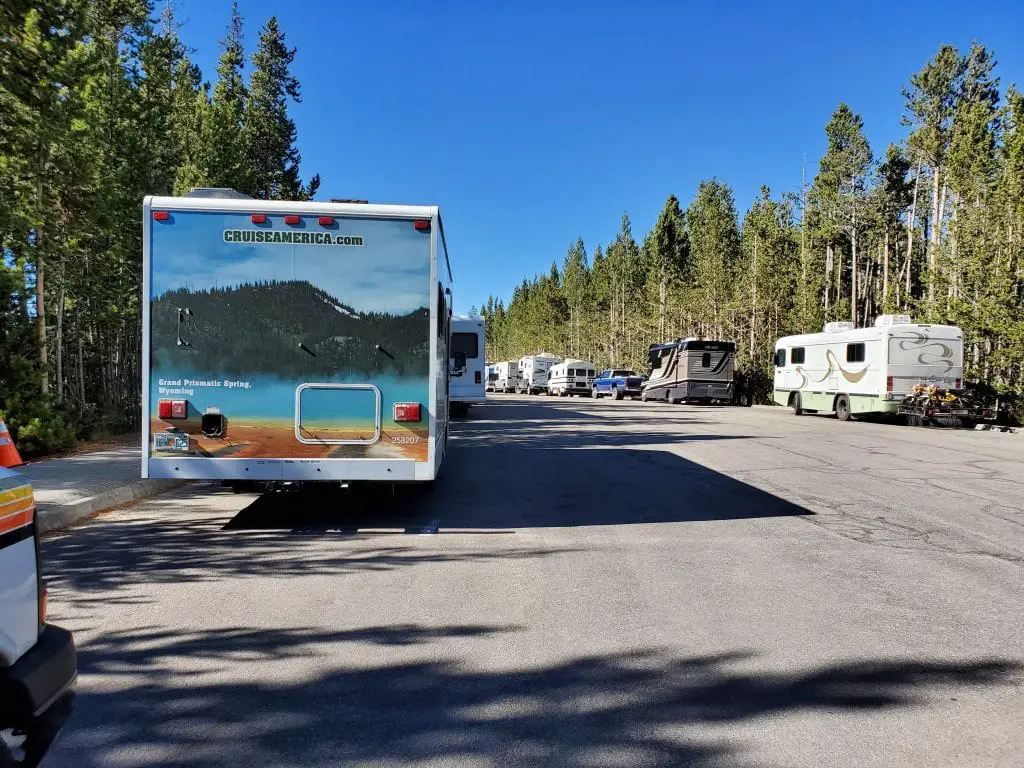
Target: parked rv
x=467 y=362
x=690 y=370
x=507 y=376
x=533 y=373
x=492 y=377
x=859 y=371
x=571 y=377
x=294 y=341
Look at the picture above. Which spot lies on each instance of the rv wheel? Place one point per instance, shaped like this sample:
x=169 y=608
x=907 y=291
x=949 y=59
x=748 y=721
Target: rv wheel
x=798 y=407
x=843 y=408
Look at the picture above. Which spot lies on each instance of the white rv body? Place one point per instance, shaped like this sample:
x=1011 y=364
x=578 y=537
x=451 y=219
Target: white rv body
x=507 y=376
x=572 y=377
x=870 y=369
x=344 y=377
x=533 y=372
x=468 y=385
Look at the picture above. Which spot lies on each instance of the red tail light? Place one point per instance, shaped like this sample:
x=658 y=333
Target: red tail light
x=406 y=412
x=258 y=218
x=325 y=221
x=291 y=219
x=161 y=215
x=476 y=377
x=172 y=409
x=422 y=225
x=888 y=383
x=958 y=383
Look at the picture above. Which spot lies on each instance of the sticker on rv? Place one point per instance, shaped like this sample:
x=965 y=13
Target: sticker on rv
x=272 y=237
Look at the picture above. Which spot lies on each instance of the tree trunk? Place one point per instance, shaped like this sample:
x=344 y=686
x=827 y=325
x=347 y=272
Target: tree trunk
x=753 y=298
x=829 y=259
x=911 y=221
x=885 y=271
x=59 y=351
x=44 y=362
x=853 y=277
x=662 y=302
x=933 y=247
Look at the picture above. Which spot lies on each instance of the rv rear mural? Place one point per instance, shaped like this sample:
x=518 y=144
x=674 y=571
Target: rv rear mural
x=301 y=335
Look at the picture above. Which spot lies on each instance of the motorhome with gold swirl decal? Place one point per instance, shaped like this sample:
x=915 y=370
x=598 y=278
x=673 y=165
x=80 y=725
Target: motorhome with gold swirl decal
x=858 y=371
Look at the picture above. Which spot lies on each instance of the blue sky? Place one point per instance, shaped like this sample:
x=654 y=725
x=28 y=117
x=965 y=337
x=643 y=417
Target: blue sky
x=388 y=273
x=532 y=123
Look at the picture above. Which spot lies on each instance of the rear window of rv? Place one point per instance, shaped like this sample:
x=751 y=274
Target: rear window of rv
x=855 y=353
x=466 y=343
x=797 y=355
x=780 y=358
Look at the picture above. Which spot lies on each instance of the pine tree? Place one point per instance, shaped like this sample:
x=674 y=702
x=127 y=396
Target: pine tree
x=714 y=250
x=226 y=160
x=273 y=159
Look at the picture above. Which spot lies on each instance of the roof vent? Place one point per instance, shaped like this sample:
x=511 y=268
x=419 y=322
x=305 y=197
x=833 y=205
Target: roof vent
x=221 y=192
x=884 y=321
x=839 y=327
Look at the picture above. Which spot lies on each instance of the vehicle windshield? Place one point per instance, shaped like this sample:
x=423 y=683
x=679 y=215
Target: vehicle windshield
x=623 y=372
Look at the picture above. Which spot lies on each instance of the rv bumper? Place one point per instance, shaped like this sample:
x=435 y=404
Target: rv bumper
x=40 y=678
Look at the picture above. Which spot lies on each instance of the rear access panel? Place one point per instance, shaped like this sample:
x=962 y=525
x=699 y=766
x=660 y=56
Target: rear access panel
x=337 y=414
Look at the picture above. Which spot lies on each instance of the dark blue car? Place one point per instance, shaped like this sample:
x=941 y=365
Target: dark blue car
x=618 y=383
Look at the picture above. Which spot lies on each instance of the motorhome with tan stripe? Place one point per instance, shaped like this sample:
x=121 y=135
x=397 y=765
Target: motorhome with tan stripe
x=866 y=370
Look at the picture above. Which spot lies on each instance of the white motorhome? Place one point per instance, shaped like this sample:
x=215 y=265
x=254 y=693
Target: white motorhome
x=467 y=361
x=865 y=370
x=294 y=340
x=533 y=372
x=571 y=377
x=506 y=376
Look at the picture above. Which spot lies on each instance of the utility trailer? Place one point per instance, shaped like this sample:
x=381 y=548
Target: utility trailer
x=294 y=341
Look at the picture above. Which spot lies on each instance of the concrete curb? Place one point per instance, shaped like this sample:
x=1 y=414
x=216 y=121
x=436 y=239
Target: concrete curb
x=53 y=516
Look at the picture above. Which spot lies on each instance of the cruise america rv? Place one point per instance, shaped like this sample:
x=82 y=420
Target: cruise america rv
x=866 y=370
x=507 y=377
x=571 y=377
x=294 y=341
x=467 y=361
x=533 y=372
x=690 y=370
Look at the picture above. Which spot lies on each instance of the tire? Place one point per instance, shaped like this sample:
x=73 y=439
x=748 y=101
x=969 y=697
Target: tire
x=843 y=408
x=797 y=404
x=643 y=396
x=616 y=394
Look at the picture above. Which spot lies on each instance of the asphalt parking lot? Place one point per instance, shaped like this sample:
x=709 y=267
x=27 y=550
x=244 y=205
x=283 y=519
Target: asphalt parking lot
x=591 y=584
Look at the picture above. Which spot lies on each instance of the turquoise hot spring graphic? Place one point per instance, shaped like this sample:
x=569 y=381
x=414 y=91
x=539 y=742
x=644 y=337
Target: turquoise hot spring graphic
x=302 y=333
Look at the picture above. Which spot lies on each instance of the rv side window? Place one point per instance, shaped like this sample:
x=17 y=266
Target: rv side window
x=855 y=353
x=466 y=343
x=780 y=358
x=705 y=360
x=797 y=355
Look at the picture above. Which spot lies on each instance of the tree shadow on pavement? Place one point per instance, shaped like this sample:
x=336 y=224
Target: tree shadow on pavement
x=161 y=699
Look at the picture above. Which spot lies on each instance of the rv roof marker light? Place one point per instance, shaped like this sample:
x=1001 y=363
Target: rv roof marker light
x=161 y=215
x=258 y=218
x=325 y=221
x=291 y=218
x=422 y=225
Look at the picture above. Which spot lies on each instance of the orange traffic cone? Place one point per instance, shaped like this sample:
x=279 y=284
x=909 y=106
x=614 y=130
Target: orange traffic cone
x=9 y=456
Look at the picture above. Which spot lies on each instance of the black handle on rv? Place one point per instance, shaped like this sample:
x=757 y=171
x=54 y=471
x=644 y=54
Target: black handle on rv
x=306 y=349
x=381 y=349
